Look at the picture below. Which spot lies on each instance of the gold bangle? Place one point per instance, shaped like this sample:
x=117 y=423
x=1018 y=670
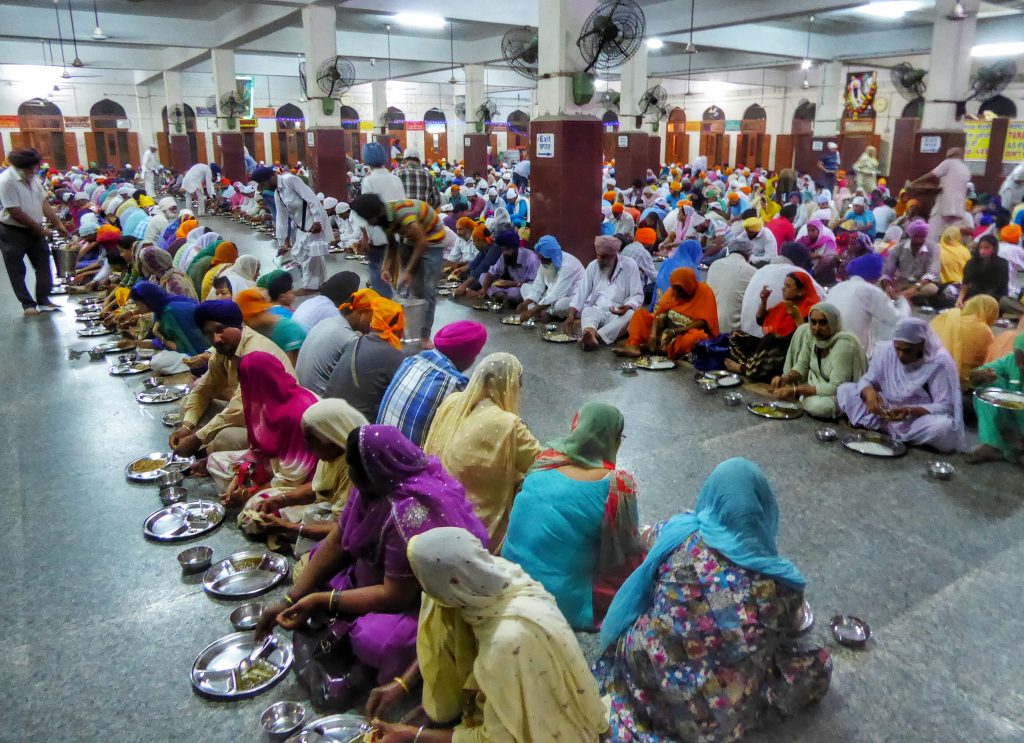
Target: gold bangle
x=330 y=602
x=288 y=600
x=401 y=682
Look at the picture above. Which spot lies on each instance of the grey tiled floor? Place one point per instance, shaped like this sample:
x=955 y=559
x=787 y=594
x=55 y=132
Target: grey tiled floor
x=100 y=629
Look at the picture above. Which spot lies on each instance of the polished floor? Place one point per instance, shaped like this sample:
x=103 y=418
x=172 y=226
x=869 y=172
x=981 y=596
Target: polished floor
x=100 y=629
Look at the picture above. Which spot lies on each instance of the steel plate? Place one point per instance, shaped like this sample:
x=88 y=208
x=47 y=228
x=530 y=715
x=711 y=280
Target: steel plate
x=172 y=419
x=129 y=368
x=511 y=320
x=182 y=521
x=162 y=394
x=108 y=347
x=655 y=363
x=334 y=728
x=94 y=332
x=234 y=579
x=87 y=316
x=213 y=670
x=783 y=411
x=165 y=456
x=558 y=336
x=872 y=444
x=1000 y=398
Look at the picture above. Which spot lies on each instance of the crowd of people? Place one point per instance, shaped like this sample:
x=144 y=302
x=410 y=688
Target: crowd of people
x=454 y=553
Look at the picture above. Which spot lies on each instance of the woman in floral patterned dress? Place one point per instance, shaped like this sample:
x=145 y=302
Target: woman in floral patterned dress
x=700 y=641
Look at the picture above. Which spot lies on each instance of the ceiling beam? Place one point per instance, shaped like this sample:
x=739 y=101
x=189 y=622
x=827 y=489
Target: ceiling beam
x=673 y=16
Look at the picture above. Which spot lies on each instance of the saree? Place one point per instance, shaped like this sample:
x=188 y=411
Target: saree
x=579 y=538
x=496 y=655
x=778 y=321
x=155 y=264
x=697 y=303
x=997 y=427
x=967 y=333
x=953 y=255
x=480 y=439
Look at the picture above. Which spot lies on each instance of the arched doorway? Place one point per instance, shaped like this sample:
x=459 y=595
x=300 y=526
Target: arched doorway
x=394 y=128
x=350 y=125
x=677 y=148
x=610 y=122
x=41 y=127
x=754 y=143
x=714 y=144
x=802 y=127
x=186 y=125
x=110 y=144
x=288 y=145
x=998 y=106
x=435 y=136
x=518 y=131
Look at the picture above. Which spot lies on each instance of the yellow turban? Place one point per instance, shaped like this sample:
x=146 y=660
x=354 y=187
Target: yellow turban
x=753 y=224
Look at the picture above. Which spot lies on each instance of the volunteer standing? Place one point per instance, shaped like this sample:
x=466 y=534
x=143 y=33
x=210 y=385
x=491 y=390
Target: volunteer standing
x=149 y=167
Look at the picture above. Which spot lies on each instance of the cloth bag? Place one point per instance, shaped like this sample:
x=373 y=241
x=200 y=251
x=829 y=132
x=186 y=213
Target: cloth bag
x=710 y=355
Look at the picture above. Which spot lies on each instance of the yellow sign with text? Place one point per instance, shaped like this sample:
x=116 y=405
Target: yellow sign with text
x=977 y=135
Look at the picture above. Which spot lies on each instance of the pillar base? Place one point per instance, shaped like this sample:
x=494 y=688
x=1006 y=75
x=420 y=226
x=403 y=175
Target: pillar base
x=654 y=152
x=181 y=153
x=633 y=157
x=475 y=154
x=232 y=155
x=565 y=190
x=328 y=166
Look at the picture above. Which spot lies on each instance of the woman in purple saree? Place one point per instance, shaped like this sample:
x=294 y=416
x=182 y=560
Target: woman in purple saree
x=359 y=577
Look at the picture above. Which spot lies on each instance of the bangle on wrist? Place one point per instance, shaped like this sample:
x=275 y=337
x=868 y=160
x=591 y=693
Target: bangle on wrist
x=288 y=600
x=401 y=682
x=418 y=734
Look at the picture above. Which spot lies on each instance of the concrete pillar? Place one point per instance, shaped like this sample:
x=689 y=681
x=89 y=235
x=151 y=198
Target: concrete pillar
x=634 y=83
x=177 y=141
x=829 y=109
x=949 y=66
x=227 y=137
x=325 y=139
x=565 y=142
x=474 y=141
x=379 y=100
x=149 y=123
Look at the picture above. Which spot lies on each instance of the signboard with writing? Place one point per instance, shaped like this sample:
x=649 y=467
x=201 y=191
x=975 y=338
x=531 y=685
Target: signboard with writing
x=77 y=122
x=365 y=125
x=310 y=139
x=817 y=145
x=414 y=126
x=9 y=122
x=264 y=113
x=206 y=111
x=733 y=125
x=247 y=123
x=1013 y=152
x=930 y=144
x=977 y=135
x=546 y=145
x=623 y=141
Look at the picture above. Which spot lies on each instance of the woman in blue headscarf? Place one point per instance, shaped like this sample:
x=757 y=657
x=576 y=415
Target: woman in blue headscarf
x=699 y=639
x=175 y=327
x=687 y=255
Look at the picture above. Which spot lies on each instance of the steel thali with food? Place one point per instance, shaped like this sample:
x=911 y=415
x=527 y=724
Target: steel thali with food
x=182 y=521
x=873 y=444
x=245 y=574
x=720 y=377
x=162 y=394
x=154 y=464
x=557 y=336
x=214 y=671
x=128 y=368
x=655 y=363
x=344 y=728
x=94 y=332
x=780 y=411
x=1000 y=398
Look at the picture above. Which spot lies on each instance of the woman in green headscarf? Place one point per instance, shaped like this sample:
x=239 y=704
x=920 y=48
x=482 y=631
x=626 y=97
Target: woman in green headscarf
x=821 y=357
x=1000 y=430
x=573 y=526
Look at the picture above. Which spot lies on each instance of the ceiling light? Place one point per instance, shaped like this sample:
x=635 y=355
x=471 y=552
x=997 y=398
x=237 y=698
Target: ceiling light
x=805 y=64
x=892 y=10
x=690 y=48
x=1003 y=49
x=805 y=84
x=655 y=43
x=958 y=13
x=423 y=20
x=98 y=34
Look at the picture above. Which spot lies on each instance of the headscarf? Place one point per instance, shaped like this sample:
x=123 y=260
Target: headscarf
x=470 y=597
x=699 y=305
x=333 y=419
x=156 y=264
x=225 y=252
x=592 y=441
x=223 y=311
x=107 y=234
x=826 y=241
x=753 y=224
x=273 y=404
x=869 y=267
x=607 y=245
x=548 y=247
x=175 y=314
x=186 y=226
x=954 y=255
x=736 y=515
x=839 y=338
x=461 y=342
x=967 y=333
x=242 y=274
x=339 y=287
x=777 y=320
x=797 y=254
x=252 y=303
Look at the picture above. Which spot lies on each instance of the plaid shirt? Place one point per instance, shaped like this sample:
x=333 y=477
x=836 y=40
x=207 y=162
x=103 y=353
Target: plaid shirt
x=419 y=184
x=421 y=383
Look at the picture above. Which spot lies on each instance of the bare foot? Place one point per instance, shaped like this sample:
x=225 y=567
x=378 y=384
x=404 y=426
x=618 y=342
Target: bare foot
x=590 y=341
x=984 y=453
x=629 y=351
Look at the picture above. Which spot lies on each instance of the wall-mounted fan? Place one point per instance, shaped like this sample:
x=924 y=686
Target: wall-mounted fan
x=334 y=77
x=611 y=34
x=485 y=112
x=609 y=100
x=232 y=106
x=653 y=106
x=520 y=48
x=985 y=83
x=909 y=83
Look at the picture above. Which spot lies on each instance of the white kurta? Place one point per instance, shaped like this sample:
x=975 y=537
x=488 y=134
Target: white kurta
x=149 y=167
x=296 y=204
x=598 y=293
x=198 y=176
x=556 y=289
x=867 y=311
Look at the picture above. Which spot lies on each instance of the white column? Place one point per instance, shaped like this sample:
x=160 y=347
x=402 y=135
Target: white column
x=172 y=92
x=559 y=23
x=830 y=100
x=476 y=94
x=379 y=100
x=319 y=33
x=949 y=66
x=634 y=82
x=223 y=61
x=454 y=125
x=148 y=120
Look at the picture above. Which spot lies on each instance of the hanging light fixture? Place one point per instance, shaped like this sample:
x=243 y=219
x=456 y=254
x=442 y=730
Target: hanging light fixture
x=690 y=48
x=60 y=36
x=689 y=66
x=97 y=32
x=806 y=63
x=77 y=61
x=451 y=51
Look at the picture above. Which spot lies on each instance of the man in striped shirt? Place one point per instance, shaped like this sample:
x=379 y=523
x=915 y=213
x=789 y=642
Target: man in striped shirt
x=418 y=181
x=415 y=242
x=423 y=381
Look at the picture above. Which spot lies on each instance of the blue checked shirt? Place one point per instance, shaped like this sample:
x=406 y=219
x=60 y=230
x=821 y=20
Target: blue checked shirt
x=421 y=383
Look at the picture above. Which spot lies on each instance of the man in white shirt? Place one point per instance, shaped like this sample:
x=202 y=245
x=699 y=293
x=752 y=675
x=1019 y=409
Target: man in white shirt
x=21 y=230
x=348 y=234
x=198 y=176
x=388 y=187
x=295 y=202
x=866 y=310
x=160 y=219
x=728 y=279
x=884 y=216
x=554 y=288
x=149 y=168
x=607 y=297
x=761 y=241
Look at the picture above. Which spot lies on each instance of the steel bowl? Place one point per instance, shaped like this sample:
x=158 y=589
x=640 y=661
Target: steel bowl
x=151 y=382
x=171 y=494
x=551 y=327
x=531 y=323
x=281 y=719
x=126 y=358
x=97 y=355
x=851 y=631
x=246 y=616
x=708 y=387
x=195 y=559
x=826 y=434
x=628 y=368
x=169 y=477
x=941 y=470
x=732 y=399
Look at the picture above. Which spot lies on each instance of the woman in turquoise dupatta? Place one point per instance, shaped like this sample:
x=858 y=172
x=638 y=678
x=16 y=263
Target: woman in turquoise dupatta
x=175 y=318
x=573 y=526
x=1000 y=430
x=701 y=640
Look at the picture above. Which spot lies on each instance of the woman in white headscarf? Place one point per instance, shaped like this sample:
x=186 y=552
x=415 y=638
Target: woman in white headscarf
x=497 y=659
x=243 y=273
x=483 y=443
x=192 y=247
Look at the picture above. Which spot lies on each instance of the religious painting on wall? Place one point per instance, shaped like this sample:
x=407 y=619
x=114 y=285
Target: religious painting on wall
x=859 y=95
x=244 y=85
